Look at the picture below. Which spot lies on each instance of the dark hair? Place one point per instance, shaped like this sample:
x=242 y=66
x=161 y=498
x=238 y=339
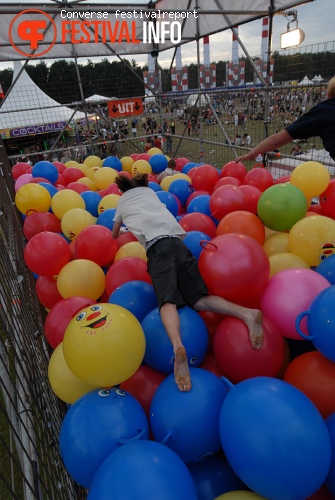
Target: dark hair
x=172 y=163
x=125 y=183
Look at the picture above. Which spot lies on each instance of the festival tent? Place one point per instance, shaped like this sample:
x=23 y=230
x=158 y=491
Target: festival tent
x=97 y=99
x=305 y=81
x=29 y=111
x=123 y=29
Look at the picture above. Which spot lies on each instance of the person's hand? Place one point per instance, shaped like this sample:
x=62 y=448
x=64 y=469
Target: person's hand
x=244 y=158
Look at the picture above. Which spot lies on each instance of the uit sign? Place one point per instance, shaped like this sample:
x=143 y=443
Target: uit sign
x=125 y=107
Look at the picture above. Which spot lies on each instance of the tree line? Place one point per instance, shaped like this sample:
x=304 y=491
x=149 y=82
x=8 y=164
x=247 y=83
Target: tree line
x=125 y=78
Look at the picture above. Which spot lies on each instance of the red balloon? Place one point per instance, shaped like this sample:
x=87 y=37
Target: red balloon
x=181 y=162
x=205 y=177
x=228 y=180
x=143 y=156
x=126 y=174
x=41 y=221
x=47 y=253
x=234 y=266
x=232 y=348
x=242 y=222
x=143 y=385
x=134 y=156
x=124 y=270
x=259 y=177
x=197 y=221
x=316 y=208
x=20 y=169
x=72 y=174
x=234 y=169
x=194 y=195
x=327 y=200
x=60 y=166
x=60 y=316
x=211 y=364
x=61 y=182
x=97 y=244
x=322 y=494
x=36 y=180
x=125 y=238
x=47 y=291
x=79 y=188
x=252 y=195
x=281 y=180
x=113 y=189
x=226 y=199
x=212 y=321
x=314 y=375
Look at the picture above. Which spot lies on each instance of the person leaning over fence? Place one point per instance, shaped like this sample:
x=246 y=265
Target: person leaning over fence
x=318 y=121
x=173 y=269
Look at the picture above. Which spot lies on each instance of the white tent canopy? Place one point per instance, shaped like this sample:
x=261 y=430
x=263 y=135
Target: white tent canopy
x=28 y=106
x=59 y=39
x=306 y=81
x=96 y=99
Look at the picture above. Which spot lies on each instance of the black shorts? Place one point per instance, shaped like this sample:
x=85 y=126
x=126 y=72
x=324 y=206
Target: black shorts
x=174 y=273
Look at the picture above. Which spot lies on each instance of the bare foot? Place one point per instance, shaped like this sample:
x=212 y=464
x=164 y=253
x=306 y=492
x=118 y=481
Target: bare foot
x=255 y=326
x=182 y=371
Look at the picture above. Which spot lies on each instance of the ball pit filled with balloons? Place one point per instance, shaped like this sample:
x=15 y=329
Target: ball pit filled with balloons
x=258 y=244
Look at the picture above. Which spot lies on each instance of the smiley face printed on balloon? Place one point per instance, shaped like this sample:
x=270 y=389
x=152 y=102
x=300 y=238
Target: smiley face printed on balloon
x=94 y=319
x=328 y=248
x=114 y=393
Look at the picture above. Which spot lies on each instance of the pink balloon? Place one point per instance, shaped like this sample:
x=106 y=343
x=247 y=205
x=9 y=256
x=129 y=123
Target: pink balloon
x=289 y=293
x=22 y=180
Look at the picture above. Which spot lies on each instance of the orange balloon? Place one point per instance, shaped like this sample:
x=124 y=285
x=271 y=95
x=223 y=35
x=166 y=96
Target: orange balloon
x=242 y=222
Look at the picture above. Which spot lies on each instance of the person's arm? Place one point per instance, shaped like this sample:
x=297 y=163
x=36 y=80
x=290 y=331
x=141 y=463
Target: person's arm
x=116 y=229
x=275 y=141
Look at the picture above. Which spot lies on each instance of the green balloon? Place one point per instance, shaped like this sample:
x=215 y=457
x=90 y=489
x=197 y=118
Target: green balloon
x=281 y=206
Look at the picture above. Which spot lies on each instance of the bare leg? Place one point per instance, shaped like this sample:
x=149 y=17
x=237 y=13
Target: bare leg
x=171 y=322
x=253 y=318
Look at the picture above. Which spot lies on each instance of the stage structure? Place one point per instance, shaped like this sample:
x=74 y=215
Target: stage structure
x=207 y=71
x=179 y=74
x=235 y=69
x=263 y=62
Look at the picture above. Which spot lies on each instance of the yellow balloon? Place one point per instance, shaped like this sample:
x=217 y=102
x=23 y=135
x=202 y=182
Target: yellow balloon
x=126 y=162
x=93 y=161
x=141 y=167
x=31 y=198
x=131 y=249
x=270 y=232
x=65 y=384
x=276 y=243
x=286 y=260
x=104 y=344
x=313 y=238
x=311 y=177
x=88 y=182
x=90 y=173
x=108 y=201
x=75 y=220
x=65 y=200
x=83 y=278
x=71 y=163
x=104 y=177
x=155 y=151
x=82 y=167
x=239 y=495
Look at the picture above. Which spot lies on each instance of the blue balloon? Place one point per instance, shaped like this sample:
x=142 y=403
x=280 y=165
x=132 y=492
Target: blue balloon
x=275 y=439
x=321 y=322
x=45 y=169
x=143 y=470
x=330 y=481
x=200 y=204
x=170 y=201
x=138 y=297
x=213 y=477
x=188 y=423
x=154 y=186
x=159 y=353
x=181 y=188
x=158 y=163
x=327 y=269
x=50 y=187
x=192 y=241
x=112 y=162
x=106 y=218
x=92 y=200
x=97 y=424
x=186 y=168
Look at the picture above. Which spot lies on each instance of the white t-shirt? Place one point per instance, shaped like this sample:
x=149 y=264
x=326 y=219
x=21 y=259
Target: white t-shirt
x=142 y=212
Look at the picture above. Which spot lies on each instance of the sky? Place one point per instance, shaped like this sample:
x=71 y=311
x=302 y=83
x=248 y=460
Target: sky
x=316 y=19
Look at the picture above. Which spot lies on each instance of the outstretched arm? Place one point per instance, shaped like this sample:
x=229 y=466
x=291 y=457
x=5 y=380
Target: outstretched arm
x=116 y=229
x=269 y=144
